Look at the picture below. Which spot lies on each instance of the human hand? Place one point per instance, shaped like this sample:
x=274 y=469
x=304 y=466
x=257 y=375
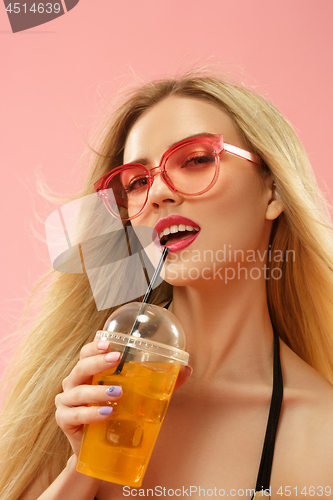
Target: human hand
x=72 y=411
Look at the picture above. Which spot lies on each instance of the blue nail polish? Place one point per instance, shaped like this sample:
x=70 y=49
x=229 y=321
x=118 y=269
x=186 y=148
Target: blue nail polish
x=114 y=390
x=105 y=410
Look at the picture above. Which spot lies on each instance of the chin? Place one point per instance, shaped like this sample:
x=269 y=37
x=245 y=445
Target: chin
x=178 y=274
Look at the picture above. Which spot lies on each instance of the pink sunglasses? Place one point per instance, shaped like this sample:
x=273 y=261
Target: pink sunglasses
x=190 y=167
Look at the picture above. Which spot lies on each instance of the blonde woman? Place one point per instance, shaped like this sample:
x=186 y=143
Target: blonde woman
x=251 y=270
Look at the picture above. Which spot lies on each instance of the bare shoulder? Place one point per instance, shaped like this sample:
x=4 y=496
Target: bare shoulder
x=42 y=481
x=37 y=486
x=304 y=447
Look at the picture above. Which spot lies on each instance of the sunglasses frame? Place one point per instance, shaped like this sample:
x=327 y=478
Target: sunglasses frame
x=215 y=140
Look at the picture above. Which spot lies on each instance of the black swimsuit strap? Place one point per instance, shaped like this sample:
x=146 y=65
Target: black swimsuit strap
x=265 y=468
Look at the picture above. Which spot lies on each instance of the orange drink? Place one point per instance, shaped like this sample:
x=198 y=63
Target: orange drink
x=118 y=450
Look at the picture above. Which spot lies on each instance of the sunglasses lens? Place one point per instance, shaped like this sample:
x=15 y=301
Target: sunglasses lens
x=191 y=169
x=127 y=192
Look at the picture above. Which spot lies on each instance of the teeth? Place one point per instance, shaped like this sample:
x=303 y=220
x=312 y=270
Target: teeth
x=175 y=228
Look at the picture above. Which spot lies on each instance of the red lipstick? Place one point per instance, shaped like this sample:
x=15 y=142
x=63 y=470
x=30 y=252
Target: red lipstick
x=176 y=220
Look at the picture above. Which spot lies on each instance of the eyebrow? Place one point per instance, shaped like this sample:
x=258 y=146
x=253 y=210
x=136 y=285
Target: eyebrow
x=144 y=161
x=190 y=137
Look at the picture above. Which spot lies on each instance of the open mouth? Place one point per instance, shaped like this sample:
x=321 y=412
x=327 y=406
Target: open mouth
x=176 y=232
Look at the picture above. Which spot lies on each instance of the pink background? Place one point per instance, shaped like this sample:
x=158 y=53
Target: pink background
x=57 y=78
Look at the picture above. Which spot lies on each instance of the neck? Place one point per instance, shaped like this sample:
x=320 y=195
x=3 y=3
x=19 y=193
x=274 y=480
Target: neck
x=228 y=330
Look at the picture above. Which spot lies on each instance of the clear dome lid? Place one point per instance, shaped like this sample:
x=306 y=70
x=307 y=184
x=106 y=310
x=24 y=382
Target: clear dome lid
x=150 y=322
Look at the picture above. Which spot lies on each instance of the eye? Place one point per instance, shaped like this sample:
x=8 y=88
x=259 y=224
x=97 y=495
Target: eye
x=136 y=183
x=198 y=159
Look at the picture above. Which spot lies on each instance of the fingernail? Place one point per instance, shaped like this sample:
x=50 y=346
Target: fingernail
x=103 y=345
x=111 y=357
x=114 y=390
x=105 y=410
x=189 y=369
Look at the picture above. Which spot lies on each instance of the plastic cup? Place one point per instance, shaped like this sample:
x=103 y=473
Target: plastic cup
x=118 y=450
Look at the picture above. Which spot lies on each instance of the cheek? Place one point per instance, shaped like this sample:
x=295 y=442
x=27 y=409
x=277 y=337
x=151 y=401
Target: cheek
x=237 y=214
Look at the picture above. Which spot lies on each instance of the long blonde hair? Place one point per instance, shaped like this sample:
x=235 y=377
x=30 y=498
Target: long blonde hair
x=300 y=303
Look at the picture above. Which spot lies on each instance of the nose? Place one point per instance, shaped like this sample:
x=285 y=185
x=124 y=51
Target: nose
x=160 y=193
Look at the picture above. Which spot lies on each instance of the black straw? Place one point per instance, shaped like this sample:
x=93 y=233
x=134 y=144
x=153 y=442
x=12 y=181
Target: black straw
x=142 y=308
